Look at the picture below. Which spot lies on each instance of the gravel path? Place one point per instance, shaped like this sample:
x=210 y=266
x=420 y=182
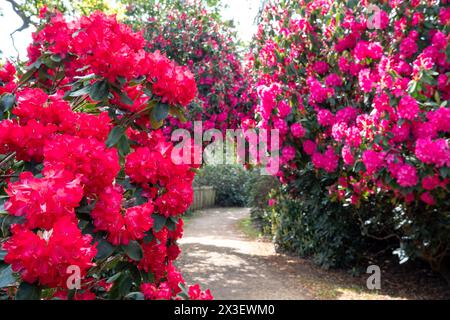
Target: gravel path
x=217 y=255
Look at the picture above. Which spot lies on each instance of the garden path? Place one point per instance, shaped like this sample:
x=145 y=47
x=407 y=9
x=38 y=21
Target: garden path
x=216 y=254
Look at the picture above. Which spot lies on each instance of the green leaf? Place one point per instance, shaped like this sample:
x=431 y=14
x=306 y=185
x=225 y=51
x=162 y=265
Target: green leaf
x=160 y=112
x=135 y=296
x=83 y=212
x=114 y=277
x=184 y=291
x=27 y=75
x=147 y=276
x=155 y=124
x=126 y=99
x=87 y=77
x=135 y=82
x=123 y=145
x=2 y=255
x=412 y=86
x=134 y=250
x=121 y=286
x=148 y=237
x=2 y=206
x=81 y=92
x=135 y=274
x=158 y=222
x=28 y=291
x=7 y=278
x=56 y=58
x=445 y=172
x=140 y=199
x=171 y=225
x=178 y=112
x=104 y=249
x=114 y=136
x=8 y=221
x=121 y=80
x=447 y=53
x=7 y=101
x=99 y=90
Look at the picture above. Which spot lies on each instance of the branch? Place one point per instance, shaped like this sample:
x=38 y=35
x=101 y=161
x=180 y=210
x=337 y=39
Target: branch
x=26 y=21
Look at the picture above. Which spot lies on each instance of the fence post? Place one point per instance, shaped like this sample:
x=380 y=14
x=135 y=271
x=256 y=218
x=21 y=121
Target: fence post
x=204 y=197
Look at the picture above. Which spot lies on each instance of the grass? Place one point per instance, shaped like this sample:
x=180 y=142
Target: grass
x=189 y=215
x=247 y=227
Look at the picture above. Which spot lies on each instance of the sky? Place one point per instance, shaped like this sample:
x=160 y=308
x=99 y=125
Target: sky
x=243 y=12
x=8 y=23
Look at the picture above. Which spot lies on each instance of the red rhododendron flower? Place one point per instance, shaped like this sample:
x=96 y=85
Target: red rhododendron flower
x=84 y=186
x=97 y=165
x=121 y=224
x=46 y=257
x=176 y=200
x=7 y=73
x=45 y=200
x=195 y=293
x=152 y=292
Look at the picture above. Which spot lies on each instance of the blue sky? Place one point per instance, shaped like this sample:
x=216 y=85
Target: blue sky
x=242 y=12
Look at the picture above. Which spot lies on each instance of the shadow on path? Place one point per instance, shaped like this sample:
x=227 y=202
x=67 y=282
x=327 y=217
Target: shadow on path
x=218 y=256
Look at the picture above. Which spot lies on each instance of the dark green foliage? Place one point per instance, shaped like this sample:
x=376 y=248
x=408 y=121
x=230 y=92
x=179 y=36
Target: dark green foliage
x=259 y=193
x=305 y=221
x=231 y=183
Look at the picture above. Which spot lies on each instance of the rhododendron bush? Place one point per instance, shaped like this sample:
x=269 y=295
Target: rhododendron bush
x=194 y=35
x=93 y=200
x=359 y=92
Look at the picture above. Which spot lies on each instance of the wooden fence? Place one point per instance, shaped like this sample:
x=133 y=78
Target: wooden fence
x=204 y=197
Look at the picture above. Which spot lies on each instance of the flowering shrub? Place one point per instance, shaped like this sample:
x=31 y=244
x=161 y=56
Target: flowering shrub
x=93 y=200
x=359 y=92
x=192 y=35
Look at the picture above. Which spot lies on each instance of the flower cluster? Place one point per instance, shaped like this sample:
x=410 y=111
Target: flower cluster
x=76 y=198
x=46 y=256
x=360 y=91
x=195 y=36
x=380 y=99
x=44 y=201
x=115 y=57
x=7 y=74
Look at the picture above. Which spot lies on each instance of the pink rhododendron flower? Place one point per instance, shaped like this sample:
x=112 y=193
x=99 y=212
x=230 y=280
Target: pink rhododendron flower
x=407 y=176
x=321 y=67
x=428 y=198
x=430 y=182
x=434 y=152
x=408 y=108
x=347 y=156
x=327 y=161
x=325 y=117
x=309 y=146
x=372 y=160
x=408 y=47
x=297 y=130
